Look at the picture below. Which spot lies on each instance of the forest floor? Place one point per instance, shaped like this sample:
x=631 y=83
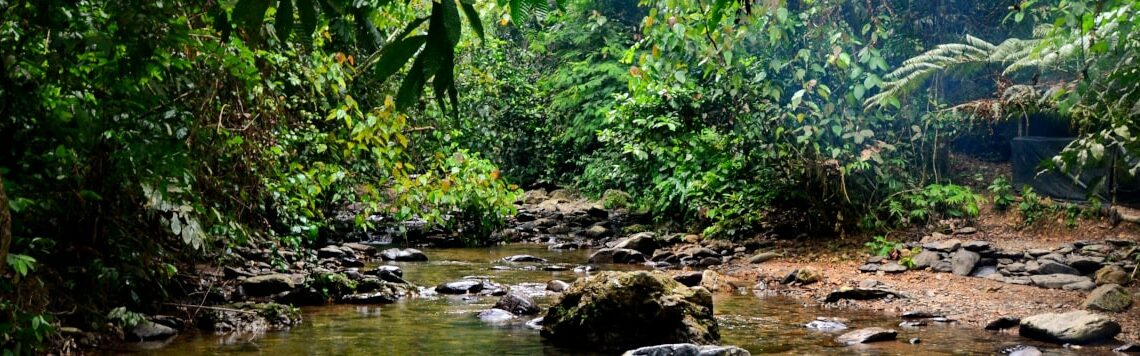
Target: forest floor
x=971 y=301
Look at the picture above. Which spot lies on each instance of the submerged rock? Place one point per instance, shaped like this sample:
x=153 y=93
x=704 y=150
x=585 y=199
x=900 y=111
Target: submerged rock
x=495 y=315
x=149 y=331
x=867 y=335
x=687 y=350
x=859 y=294
x=523 y=258
x=1075 y=327
x=623 y=310
x=825 y=324
x=464 y=286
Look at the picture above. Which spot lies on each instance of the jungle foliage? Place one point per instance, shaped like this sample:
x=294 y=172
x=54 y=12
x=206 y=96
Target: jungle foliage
x=139 y=137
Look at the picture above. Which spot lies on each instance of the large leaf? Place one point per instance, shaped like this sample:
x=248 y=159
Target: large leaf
x=307 y=11
x=473 y=19
x=716 y=13
x=450 y=16
x=396 y=54
x=283 y=22
x=250 y=13
x=412 y=86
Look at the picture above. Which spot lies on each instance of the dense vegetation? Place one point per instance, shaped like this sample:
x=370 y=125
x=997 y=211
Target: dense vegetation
x=137 y=138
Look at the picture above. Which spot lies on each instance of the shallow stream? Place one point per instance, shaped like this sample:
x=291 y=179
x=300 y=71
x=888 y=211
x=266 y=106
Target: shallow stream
x=447 y=325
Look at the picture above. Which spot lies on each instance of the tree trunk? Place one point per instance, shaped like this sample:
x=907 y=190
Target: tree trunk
x=5 y=228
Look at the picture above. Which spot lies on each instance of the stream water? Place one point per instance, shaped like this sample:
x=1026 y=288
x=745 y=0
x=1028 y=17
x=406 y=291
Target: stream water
x=439 y=325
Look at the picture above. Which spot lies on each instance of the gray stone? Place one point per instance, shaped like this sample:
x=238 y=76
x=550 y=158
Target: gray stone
x=1112 y=274
x=1086 y=285
x=827 y=325
x=1056 y=280
x=691 y=279
x=1085 y=264
x=701 y=252
x=1036 y=252
x=963 y=262
x=976 y=246
x=407 y=254
x=495 y=316
x=330 y=252
x=1056 y=268
x=463 y=286
x=892 y=267
x=969 y=230
x=597 y=232
x=984 y=271
x=709 y=261
x=943 y=246
x=1052 y=257
x=1021 y=350
x=687 y=350
x=614 y=255
x=557 y=286
x=383 y=297
x=1128 y=348
x=1109 y=298
x=149 y=331
x=1075 y=327
x=859 y=294
x=644 y=242
x=926 y=258
x=535 y=323
x=763 y=257
x=943 y=266
x=867 y=335
x=1003 y=323
x=869 y=268
x=517 y=304
x=269 y=284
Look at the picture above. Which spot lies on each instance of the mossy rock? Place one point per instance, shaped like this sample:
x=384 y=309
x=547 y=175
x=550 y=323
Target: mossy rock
x=613 y=311
x=616 y=199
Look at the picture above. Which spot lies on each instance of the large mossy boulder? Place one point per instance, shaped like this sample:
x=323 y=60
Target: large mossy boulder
x=614 y=311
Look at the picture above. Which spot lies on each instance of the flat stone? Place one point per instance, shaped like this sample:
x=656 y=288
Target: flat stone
x=1056 y=268
x=1052 y=257
x=1081 y=286
x=943 y=246
x=984 y=271
x=867 y=335
x=1036 y=252
x=330 y=252
x=969 y=230
x=523 y=258
x=1109 y=298
x=963 y=262
x=976 y=246
x=687 y=350
x=614 y=255
x=517 y=304
x=1056 y=281
x=892 y=267
x=460 y=287
x=690 y=279
x=1086 y=264
x=869 y=268
x=826 y=325
x=260 y=286
x=910 y=324
x=763 y=257
x=407 y=254
x=150 y=331
x=370 y=298
x=921 y=314
x=710 y=261
x=1075 y=327
x=597 y=232
x=943 y=266
x=1003 y=323
x=859 y=294
x=701 y=252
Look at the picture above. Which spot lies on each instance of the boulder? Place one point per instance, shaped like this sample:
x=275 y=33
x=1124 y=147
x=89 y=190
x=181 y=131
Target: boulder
x=1085 y=264
x=597 y=232
x=407 y=254
x=807 y=275
x=1109 y=298
x=1112 y=274
x=687 y=350
x=557 y=286
x=365 y=249
x=616 y=255
x=701 y=252
x=269 y=284
x=147 y=330
x=763 y=257
x=463 y=286
x=963 y=262
x=644 y=242
x=1075 y=327
x=976 y=246
x=622 y=310
x=867 y=335
x=1056 y=280
x=330 y=252
x=517 y=304
x=523 y=258
x=926 y=258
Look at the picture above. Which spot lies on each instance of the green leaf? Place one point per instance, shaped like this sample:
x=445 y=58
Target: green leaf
x=452 y=27
x=473 y=19
x=716 y=13
x=412 y=86
x=283 y=23
x=308 y=13
x=395 y=55
x=250 y=13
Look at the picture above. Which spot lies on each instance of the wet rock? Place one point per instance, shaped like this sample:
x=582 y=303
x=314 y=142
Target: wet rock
x=892 y=267
x=943 y=246
x=826 y=325
x=1056 y=280
x=1075 y=327
x=925 y=259
x=565 y=246
x=523 y=258
x=535 y=323
x=1109 y=298
x=407 y=254
x=495 y=316
x=382 y=297
x=330 y=252
x=248 y=318
x=1056 y=268
x=464 y=286
x=1002 y=323
x=149 y=331
x=867 y=335
x=556 y=268
x=915 y=341
x=912 y=323
x=621 y=310
x=614 y=255
x=921 y=314
x=1112 y=274
x=963 y=262
x=687 y=350
x=517 y=304
x=269 y=284
x=1128 y=348
x=597 y=232
x=859 y=294
x=1021 y=350
x=701 y=252
x=644 y=242
x=763 y=257
x=557 y=286
x=691 y=279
